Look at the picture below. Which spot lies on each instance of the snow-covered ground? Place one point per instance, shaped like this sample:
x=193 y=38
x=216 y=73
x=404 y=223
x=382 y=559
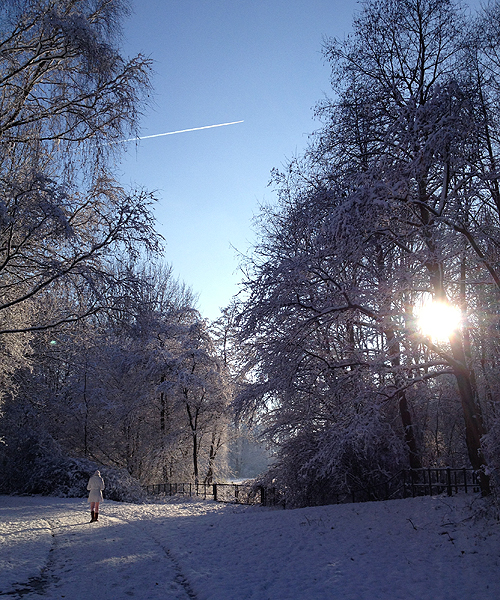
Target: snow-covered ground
x=424 y=548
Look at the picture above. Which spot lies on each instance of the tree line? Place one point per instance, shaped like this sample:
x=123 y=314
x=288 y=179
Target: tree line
x=396 y=201
x=103 y=353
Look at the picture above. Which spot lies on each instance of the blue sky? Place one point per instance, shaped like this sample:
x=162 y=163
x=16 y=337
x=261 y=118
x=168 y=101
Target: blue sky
x=218 y=61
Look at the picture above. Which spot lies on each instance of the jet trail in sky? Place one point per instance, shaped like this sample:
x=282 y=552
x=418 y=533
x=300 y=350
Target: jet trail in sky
x=174 y=132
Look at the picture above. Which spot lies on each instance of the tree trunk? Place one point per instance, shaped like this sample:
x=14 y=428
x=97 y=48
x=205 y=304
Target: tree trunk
x=193 y=424
x=214 y=446
x=86 y=417
x=474 y=427
x=163 y=405
x=404 y=409
x=163 y=419
x=195 y=457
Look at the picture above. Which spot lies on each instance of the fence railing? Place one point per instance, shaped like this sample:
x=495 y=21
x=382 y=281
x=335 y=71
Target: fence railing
x=180 y=489
x=407 y=483
x=429 y=482
x=220 y=492
x=414 y=482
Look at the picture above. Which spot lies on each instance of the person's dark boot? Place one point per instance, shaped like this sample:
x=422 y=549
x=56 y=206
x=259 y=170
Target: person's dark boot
x=92 y=514
x=96 y=516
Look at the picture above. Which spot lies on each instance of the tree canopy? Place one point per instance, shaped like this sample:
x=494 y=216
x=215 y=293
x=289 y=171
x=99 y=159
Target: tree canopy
x=393 y=204
x=103 y=358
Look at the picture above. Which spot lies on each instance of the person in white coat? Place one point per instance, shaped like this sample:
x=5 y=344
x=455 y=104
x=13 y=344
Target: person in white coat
x=95 y=486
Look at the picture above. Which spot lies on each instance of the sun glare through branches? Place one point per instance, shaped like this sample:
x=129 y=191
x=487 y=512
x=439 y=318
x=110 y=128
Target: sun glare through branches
x=438 y=320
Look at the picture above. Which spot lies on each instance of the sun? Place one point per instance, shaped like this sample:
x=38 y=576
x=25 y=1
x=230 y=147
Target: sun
x=438 y=320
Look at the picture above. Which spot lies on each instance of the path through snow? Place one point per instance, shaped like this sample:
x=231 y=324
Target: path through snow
x=436 y=548
x=54 y=552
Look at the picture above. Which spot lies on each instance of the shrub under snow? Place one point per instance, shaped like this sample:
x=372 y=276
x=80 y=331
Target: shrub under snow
x=36 y=465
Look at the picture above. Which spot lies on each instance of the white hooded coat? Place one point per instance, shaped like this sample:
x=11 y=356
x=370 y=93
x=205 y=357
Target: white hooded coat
x=95 y=485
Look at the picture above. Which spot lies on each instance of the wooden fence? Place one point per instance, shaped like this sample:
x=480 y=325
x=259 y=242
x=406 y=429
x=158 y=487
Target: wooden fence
x=405 y=484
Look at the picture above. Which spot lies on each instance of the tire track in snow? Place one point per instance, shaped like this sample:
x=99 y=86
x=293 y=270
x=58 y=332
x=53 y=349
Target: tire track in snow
x=180 y=578
x=40 y=583
x=110 y=559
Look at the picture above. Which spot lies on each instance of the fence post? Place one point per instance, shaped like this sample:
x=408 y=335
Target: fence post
x=215 y=492
x=448 y=481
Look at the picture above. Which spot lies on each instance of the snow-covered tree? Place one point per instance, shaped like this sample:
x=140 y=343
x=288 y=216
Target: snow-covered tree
x=197 y=387
x=141 y=388
x=66 y=93
x=89 y=337
x=394 y=201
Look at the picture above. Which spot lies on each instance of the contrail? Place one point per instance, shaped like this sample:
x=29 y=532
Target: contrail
x=174 y=132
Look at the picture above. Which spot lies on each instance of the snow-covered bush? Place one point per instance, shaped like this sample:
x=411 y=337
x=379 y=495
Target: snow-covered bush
x=35 y=464
x=120 y=486
x=318 y=467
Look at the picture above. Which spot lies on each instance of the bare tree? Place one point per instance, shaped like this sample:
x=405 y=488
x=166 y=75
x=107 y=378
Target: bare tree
x=65 y=94
x=198 y=384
